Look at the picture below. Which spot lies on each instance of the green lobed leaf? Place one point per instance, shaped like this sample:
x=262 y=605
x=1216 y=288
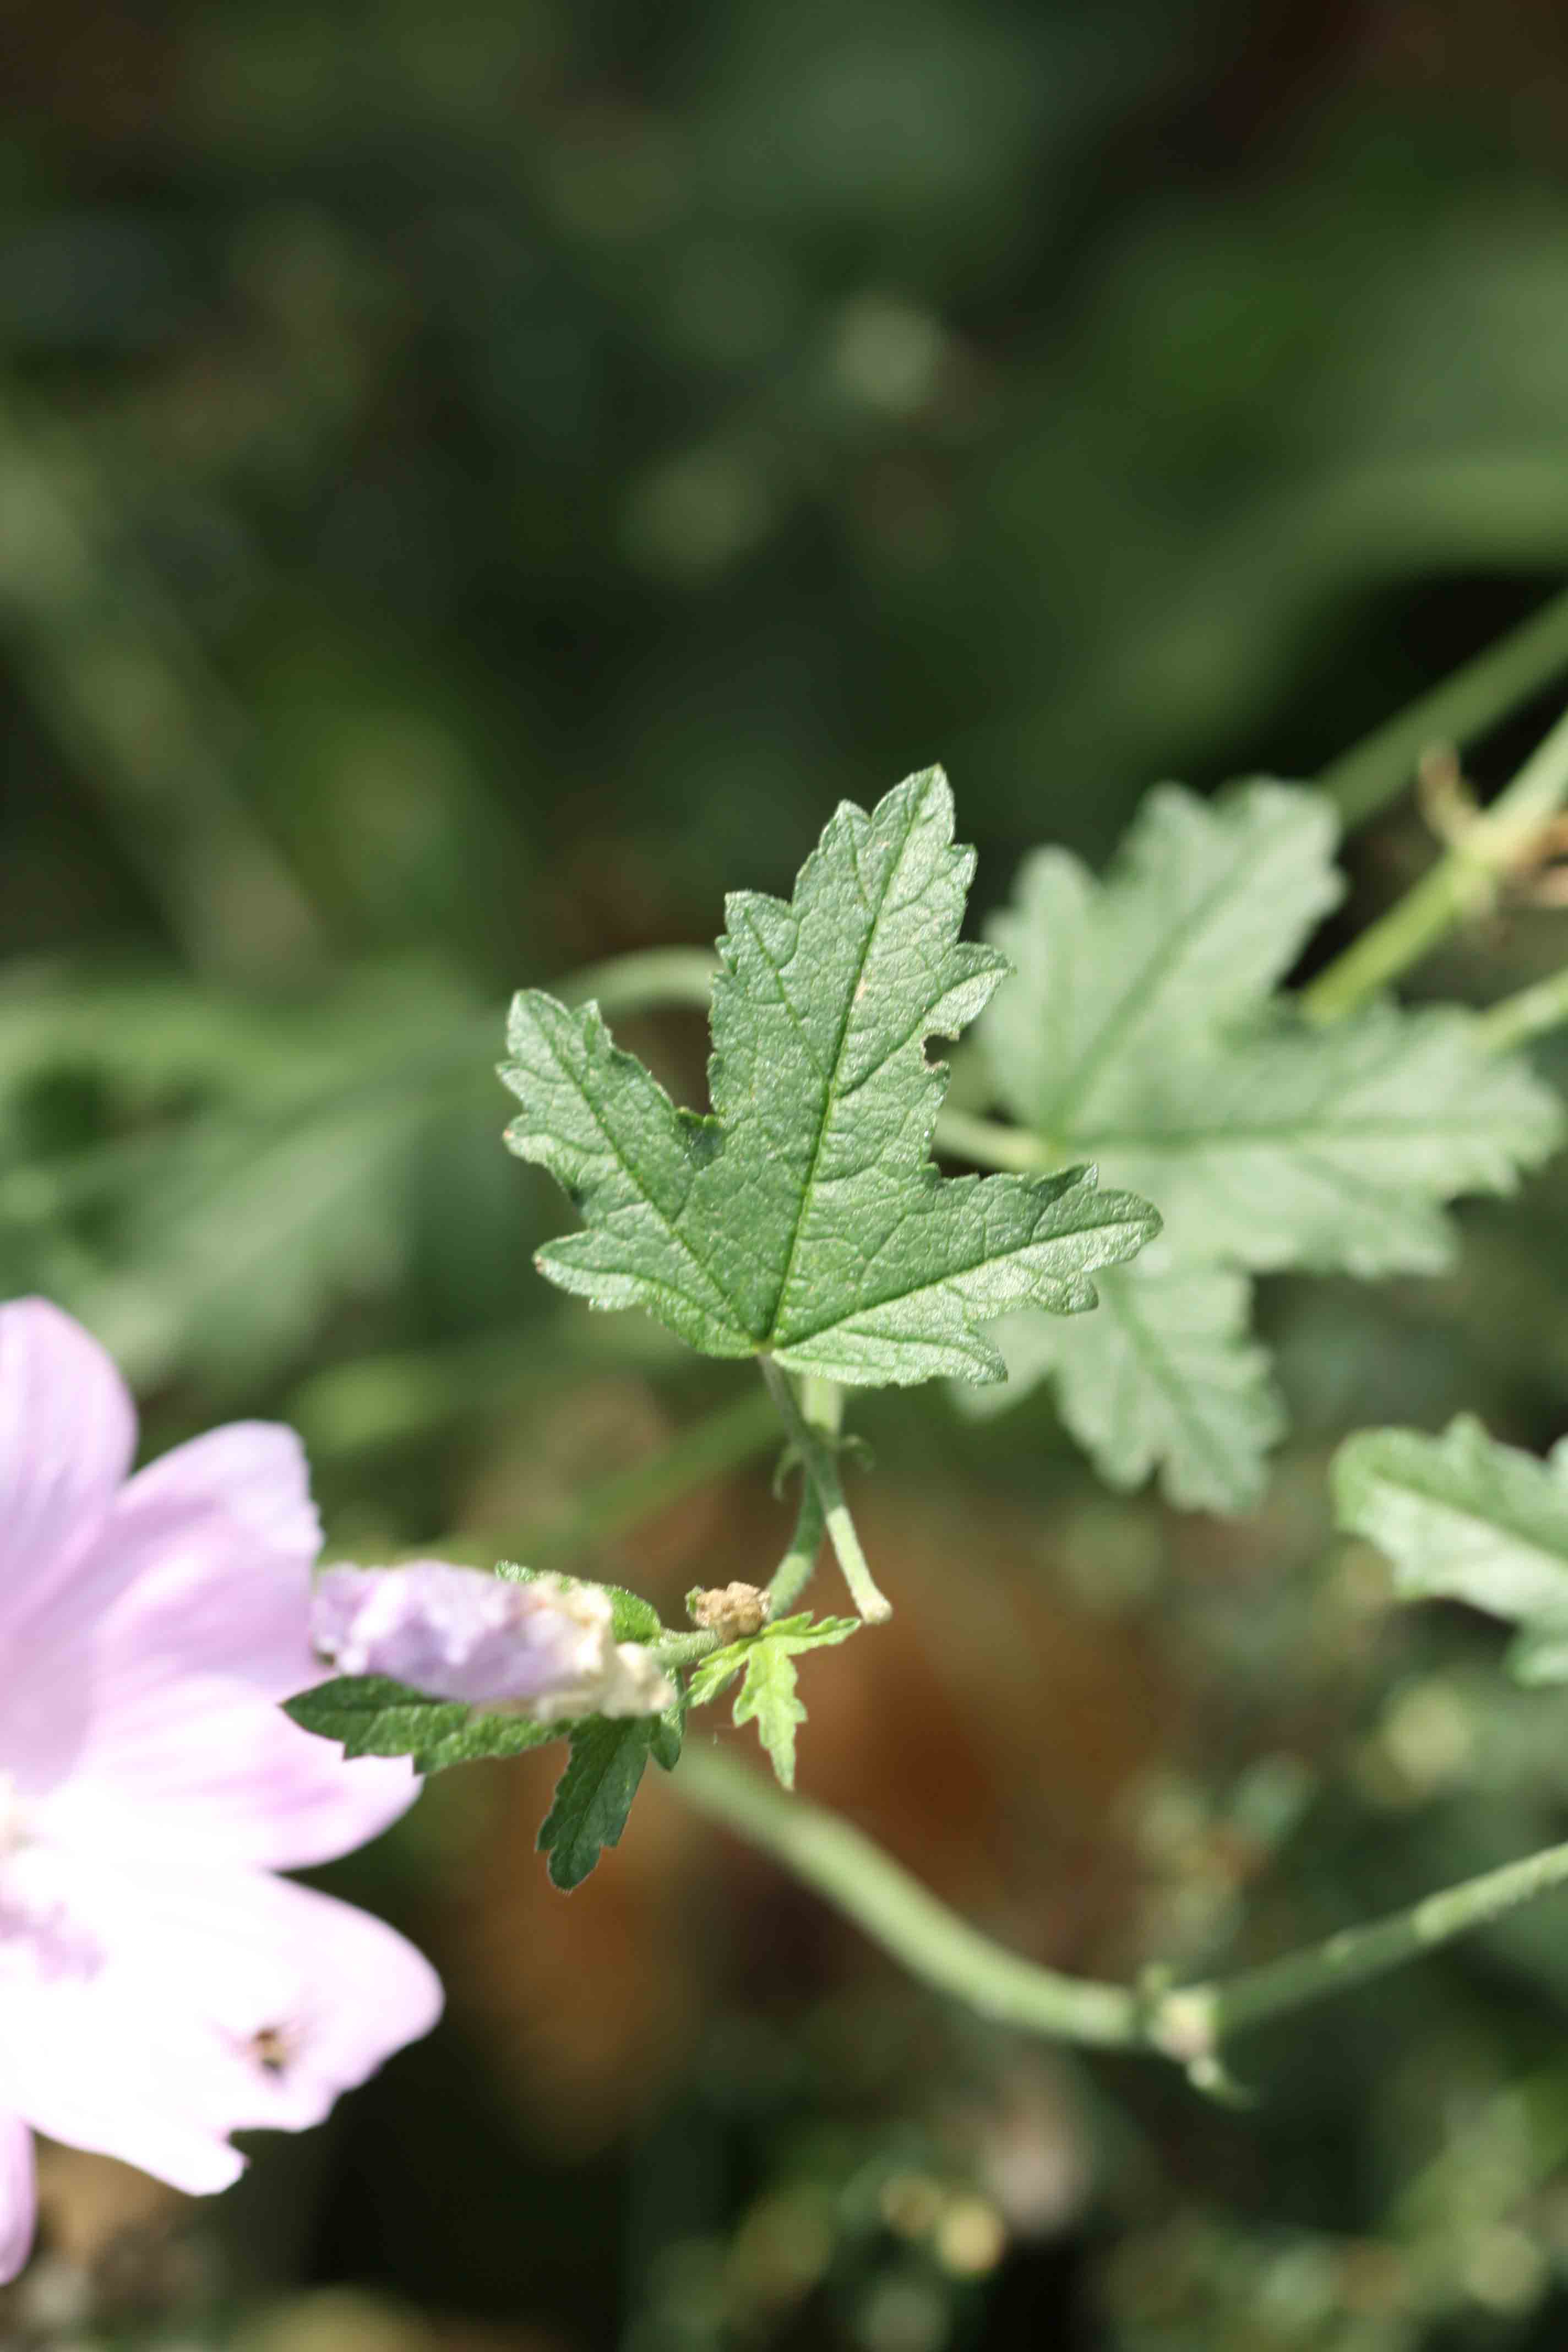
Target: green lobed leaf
x=768 y=1695
x=1162 y=1376
x=1141 y=1035
x=804 y=1217
x=1464 y=1517
x=372 y=1716
x=1332 y=1150
x=593 y=1795
x=1205 y=908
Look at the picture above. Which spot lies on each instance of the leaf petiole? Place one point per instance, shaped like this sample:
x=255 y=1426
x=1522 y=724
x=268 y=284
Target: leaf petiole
x=821 y=1469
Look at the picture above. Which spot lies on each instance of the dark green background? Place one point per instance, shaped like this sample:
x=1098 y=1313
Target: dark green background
x=477 y=482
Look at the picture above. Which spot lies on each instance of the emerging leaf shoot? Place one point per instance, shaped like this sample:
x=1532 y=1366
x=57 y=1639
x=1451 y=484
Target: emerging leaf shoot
x=768 y=1695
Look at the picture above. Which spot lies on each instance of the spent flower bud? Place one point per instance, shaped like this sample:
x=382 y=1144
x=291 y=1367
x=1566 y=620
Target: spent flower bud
x=545 y=1648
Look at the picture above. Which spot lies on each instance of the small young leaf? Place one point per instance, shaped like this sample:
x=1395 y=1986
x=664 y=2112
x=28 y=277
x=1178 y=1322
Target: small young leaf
x=1463 y=1518
x=595 y=1794
x=767 y=1695
x=374 y=1716
x=1162 y=1375
x=804 y=1217
x=768 y=1698
x=720 y=1667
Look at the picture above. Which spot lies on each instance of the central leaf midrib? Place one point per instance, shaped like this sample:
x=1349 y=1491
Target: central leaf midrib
x=830 y=1089
x=1108 y=1038
x=978 y=1264
x=1157 y=1362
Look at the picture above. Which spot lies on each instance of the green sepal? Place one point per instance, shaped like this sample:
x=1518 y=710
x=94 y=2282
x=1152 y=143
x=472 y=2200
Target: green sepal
x=632 y=1618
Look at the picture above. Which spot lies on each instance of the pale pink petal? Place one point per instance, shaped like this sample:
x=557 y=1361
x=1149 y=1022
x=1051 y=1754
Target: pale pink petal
x=205 y=1567
x=194 y=1764
x=67 y=1431
x=220 y=2002
x=205 y=1558
x=307 y=1997
x=86 y=2068
x=18 y=2196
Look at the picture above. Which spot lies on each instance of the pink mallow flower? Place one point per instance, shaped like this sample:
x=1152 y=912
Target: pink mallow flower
x=544 y=1648
x=159 y=1985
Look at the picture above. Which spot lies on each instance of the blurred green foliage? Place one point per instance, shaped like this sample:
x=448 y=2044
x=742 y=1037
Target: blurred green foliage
x=477 y=481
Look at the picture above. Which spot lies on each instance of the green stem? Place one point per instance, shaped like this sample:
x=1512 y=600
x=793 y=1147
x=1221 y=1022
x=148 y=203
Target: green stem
x=990 y=1145
x=699 y=1454
x=1525 y=1015
x=633 y=983
x=1376 y=770
x=821 y=1468
x=684 y=1649
x=1356 y=1953
x=1187 y=2022
x=932 y=1942
x=795 y=1571
x=1418 y=921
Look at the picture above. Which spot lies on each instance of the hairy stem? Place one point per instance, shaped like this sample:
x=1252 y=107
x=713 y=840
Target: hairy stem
x=1376 y=770
x=1357 y=1953
x=632 y=984
x=794 y=1571
x=932 y=1942
x=821 y=1470
x=684 y=1649
x=1498 y=838
x=1527 y=1014
x=703 y=1451
x=991 y=1145
x=1186 y=2022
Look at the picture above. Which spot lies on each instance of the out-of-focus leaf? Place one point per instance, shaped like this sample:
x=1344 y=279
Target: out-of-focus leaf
x=1464 y=1517
x=1162 y=1376
x=257 y=1171
x=1203 y=910
x=1333 y=1151
x=1141 y=1036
